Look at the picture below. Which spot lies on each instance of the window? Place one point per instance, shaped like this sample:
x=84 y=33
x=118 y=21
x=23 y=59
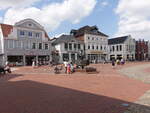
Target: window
x=22 y=33
x=46 y=46
x=120 y=47
x=113 y=48
x=30 y=24
x=88 y=38
x=92 y=38
x=30 y=34
x=117 y=48
x=101 y=47
x=17 y=44
x=97 y=47
x=10 y=44
x=37 y=35
x=70 y=46
x=88 y=46
x=33 y=45
x=65 y=57
x=66 y=46
x=79 y=47
x=92 y=47
x=40 y=45
x=75 y=46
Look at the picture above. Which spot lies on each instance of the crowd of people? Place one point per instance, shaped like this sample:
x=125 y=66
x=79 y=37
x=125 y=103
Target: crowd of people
x=117 y=62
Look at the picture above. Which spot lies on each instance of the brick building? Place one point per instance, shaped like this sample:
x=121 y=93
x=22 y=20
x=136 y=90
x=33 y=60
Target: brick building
x=141 y=50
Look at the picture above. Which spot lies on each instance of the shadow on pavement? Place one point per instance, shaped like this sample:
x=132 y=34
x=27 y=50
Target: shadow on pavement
x=34 y=97
x=7 y=77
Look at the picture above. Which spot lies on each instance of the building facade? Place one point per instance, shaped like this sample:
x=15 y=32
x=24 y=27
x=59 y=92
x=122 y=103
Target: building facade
x=95 y=43
x=142 y=50
x=67 y=48
x=122 y=47
x=24 y=42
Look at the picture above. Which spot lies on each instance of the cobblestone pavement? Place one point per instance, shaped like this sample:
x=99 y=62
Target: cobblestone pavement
x=137 y=72
x=142 y=105
x=30 y=90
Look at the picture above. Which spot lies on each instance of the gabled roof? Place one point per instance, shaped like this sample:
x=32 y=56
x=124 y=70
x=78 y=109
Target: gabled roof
x=7 y=29
x=64 y=38
x=117 y=40
x=87 y=29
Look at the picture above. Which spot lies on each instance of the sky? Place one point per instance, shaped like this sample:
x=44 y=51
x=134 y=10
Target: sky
x=112 y=17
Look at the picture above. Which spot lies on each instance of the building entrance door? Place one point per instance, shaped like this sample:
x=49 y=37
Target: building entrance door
x=29 y=60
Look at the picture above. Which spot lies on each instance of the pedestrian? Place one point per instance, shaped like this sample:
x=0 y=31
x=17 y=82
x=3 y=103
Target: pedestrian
x=68 y=68
x=33 y=63
x=65 y=64
x=113 y=63
x=122 y=61
x=72 y=67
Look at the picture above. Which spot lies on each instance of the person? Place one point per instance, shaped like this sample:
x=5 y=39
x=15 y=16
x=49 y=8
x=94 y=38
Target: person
x=33 y=64
x=122 y=61
x=72 y=67
x=7 y=67
x=113 y=63
x=65 y=64
x=68 y=68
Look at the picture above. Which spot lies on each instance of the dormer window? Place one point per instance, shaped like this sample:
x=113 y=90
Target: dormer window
x=30 y=34
x=30 y=24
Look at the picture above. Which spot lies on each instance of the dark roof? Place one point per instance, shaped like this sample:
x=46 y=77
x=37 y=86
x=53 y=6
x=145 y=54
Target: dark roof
x=87 y=29
x=117 y=40
x=64 y=38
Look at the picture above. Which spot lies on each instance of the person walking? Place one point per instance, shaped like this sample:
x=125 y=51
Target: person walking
x=65 y=64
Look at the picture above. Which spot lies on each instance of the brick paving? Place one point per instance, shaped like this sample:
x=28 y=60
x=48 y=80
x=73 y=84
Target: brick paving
x=36 y=90
x=140 y=72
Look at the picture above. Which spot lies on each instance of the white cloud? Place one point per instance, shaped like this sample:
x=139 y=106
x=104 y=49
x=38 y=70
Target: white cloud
x=104 y=3
x=134 y=18
x=4 y=4
x=53 y=14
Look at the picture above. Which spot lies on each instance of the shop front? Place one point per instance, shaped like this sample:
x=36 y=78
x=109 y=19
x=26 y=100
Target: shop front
x=96 y=56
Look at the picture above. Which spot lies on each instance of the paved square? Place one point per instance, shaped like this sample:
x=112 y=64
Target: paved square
x=30 y=90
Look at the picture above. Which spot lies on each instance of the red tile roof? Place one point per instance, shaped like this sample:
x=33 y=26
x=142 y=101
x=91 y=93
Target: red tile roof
x=6 y=29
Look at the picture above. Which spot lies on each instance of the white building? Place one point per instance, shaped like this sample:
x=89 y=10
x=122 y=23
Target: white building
x=122 y=47
x=67 y=48
x=96 y=42
x=24 y=42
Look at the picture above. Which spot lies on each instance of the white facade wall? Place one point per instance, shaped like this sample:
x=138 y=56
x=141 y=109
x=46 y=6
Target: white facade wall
x=128 y=49
x=21 y=45
x=61 y=48
x=100 y=44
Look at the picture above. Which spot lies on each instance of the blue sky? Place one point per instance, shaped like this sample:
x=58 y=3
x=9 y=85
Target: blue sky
x=113 y=17
x=102 y=16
